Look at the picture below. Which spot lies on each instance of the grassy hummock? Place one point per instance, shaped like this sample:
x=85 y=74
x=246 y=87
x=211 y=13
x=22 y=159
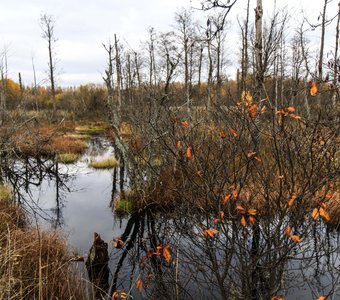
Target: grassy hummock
x=89 y=128
x=67 y=158
x=106 y=163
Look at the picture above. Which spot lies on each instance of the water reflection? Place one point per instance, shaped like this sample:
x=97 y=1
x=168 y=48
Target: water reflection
x=220 y=268
x=228 y=266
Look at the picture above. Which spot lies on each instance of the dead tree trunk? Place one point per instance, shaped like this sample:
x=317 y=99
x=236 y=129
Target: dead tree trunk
x=97 y=266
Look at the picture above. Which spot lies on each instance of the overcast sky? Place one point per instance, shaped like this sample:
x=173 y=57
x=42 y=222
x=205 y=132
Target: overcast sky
x=83 y=25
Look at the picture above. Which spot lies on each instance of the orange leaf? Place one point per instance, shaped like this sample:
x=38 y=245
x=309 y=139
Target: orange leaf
x=295 y=238
x=295 y=116
x=313 y=89
x=210 y=232
x=291 y=201
x=321 y=298
x=251 y=153
x=257 y=158
x=328 y=196
x=253 y=111
x=240 y=208
x=222 y=134
x=118 y=243
x=166 y=253
x=188 y=153
x=185 y=124
x=233 y=132
x=288 y=231
x=234 y=193
x=243 y=221
x=277 y=298
x=252 y=211
x=226 y=199
x=252 y=220
x=178 y=145
x=324 y=214
x=139 y=285
x=291 y=109
x=221 y=213
x=315 y=213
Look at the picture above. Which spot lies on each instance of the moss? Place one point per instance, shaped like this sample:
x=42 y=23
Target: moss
x=67 y=158
x=106 y=163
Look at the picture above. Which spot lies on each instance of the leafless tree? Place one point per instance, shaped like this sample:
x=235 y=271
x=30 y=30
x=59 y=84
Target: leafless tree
x=47 y=24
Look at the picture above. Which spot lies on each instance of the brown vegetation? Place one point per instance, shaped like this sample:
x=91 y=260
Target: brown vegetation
x=35 y=264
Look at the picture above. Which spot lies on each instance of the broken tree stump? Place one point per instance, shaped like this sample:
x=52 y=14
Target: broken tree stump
x=97 y=266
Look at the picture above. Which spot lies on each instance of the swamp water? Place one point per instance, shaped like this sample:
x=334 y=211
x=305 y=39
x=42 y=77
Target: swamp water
x=80 y=203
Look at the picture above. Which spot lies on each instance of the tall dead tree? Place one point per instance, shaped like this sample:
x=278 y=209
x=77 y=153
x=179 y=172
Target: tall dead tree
x=186 y=36
x=244 y=50
x=47 y=24
x=118 y=73
x=3 y=85
x=259 y=76
x=152 y=59
x=336 y=65
x=322 y=39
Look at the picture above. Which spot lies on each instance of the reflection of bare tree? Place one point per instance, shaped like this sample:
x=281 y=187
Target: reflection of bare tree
x=221 y=266
x=24 y=174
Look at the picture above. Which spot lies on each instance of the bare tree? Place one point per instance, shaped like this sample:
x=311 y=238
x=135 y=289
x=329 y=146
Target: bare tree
x=322 y=39
x=259 y=77
x=336 y=65
x=47 y=24
x=3 y=86
x=186 y=36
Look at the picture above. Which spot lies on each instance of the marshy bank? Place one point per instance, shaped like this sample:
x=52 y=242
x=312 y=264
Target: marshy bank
x=35 y=263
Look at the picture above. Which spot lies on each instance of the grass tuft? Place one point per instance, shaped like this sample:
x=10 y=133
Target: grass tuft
x=67 y=158
x=123 y=207
x=79 y=136
x=5 y=193
x=106 y=163
x=89 y=128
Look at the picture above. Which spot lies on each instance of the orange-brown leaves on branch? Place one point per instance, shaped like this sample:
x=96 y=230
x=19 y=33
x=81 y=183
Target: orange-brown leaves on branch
x=188 y=153
x=253 y=111
x=295 y=238
x=139 y=285
x=233 y=132
x=222 y=134
x=185 y=124
x=210 y=232
x=166 y=253
x=313 y=89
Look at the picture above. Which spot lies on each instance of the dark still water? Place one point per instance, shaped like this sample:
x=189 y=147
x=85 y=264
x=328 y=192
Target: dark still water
x=84 y=199
x=168 y=257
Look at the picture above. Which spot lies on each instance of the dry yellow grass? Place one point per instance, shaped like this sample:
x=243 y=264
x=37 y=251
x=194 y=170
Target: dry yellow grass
x=35 y=264
x=106 y=163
